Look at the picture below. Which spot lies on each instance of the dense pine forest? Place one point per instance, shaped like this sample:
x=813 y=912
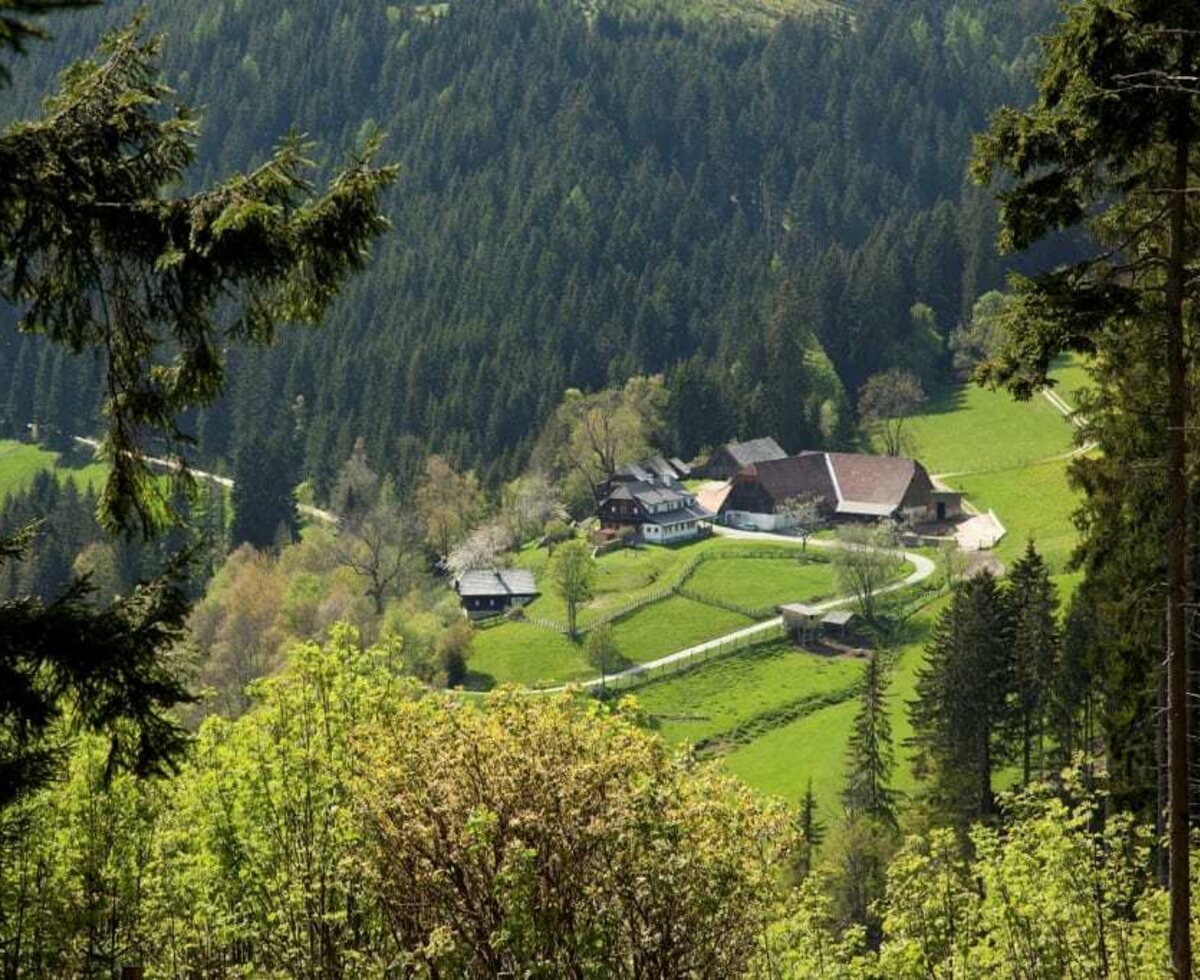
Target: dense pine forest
x=768 y=216
x=440 y=661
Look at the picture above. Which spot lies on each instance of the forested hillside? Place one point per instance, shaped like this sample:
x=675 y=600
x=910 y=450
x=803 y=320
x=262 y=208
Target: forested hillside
x=588 y=193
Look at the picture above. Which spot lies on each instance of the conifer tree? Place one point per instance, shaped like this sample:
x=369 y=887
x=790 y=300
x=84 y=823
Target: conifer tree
x=1112 y=142
x=1033 y=600
x=264 y=505
x=962 y=696
x=811 y=830
x=101 y=253
x=871 y=759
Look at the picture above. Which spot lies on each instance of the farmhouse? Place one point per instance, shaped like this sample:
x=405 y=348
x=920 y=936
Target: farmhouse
x=658 y=512
x=492 y=591
x=735 y=456
x=846 y=486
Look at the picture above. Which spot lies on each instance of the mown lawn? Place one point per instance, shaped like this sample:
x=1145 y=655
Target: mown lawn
x=671 y=625
x=517 y=653
x=761 y=582
x=626 y=575
x=20 y=462
x=1031 y=501
x=717 y=697
x=520 y=653
x=782 y=761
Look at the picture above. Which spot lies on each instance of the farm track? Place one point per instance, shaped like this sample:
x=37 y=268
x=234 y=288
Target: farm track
x=923 y=568
x=173 y=466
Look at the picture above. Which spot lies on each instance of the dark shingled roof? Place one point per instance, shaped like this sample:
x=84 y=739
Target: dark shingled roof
x=795 y=476
x=648 y=493
x=755 y=451
x=497 y=582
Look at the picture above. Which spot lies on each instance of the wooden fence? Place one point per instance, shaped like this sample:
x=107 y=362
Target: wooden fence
x=626 y=682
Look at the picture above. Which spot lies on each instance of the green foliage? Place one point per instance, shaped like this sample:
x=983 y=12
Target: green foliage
x=296 y=838
x=102 y=671
x=104 y=258
x=1056 y=894
x=572 y=571
x=571 y=841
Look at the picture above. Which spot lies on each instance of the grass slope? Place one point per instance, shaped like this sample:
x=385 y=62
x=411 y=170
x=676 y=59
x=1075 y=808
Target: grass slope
x=671 y=625
x=20 y=462
x=1031 y=501
x=630 y=574
x=971 y=429
x=517 y=653
x=783 y=760
x=719 y=696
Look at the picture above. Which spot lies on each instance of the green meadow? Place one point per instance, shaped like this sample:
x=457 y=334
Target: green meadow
x=20 y=462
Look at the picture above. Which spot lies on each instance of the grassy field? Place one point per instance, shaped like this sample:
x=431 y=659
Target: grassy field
x=756 y=582
x=1032 y=500
x=783 y=760
x=673 y=624
x=629 y=574
x=971 y=429
x=517 y=653
x=1070 y=376
x=20 y=462
x=521 y=653
x=716 y=698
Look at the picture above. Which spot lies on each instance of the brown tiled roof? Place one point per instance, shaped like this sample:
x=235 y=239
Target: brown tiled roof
x=874 y=481
x=794 y=476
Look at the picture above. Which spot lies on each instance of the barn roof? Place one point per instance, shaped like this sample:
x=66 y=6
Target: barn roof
x=795 y=476
x=801 y=609
x=871 y=486
x=497 y=582
x=853 y=483
x=755 y=451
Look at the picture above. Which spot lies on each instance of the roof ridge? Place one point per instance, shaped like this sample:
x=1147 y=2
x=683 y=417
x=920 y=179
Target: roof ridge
x=837 y=487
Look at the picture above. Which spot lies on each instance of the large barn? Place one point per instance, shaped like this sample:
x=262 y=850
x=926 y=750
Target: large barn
x=845 y=486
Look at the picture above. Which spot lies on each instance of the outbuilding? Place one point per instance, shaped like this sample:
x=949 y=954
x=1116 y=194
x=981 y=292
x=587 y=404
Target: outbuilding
x=493 y=591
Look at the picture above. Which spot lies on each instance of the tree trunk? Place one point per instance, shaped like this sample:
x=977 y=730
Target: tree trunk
x=1177 y=491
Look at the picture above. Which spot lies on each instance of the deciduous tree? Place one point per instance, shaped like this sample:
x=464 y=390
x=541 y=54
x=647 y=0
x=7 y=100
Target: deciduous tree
x=573 y=570
x=887 y=401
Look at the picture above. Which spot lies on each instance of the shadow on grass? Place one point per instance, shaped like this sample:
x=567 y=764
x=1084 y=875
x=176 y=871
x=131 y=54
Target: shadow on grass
x=479 y=681
x=946 y=400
